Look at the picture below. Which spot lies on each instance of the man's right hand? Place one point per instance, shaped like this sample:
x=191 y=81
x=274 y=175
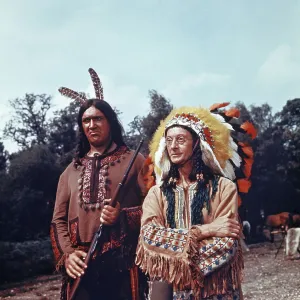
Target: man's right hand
x=75 y=265
x=225 y=226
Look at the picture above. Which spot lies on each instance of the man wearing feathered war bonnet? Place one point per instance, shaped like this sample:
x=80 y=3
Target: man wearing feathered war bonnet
x=189 y=240
x=83 y=194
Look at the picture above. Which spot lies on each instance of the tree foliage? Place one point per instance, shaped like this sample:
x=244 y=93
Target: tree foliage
x=28 y=125
x=27 y=198
x=146 y=126
x=275 y=173
x=3 y=157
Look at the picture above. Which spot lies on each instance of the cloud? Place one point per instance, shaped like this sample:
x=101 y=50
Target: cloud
x=281 y=67
x=191 y=87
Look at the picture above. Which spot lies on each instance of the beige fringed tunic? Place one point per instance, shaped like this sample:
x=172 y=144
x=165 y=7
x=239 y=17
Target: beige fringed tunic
x=197 y=268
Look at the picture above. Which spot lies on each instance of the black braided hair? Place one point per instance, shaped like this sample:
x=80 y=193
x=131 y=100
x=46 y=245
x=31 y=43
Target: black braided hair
x=83 y=146
x=202 y=196
x=168 y=190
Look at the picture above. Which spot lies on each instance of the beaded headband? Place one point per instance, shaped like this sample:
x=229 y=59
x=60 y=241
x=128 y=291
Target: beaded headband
x=192 y=121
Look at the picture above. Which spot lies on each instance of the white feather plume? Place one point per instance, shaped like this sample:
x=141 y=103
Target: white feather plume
x=218 y=117
x=229 y=170
x=210 y=159
x=236 y=159
x=233 y=144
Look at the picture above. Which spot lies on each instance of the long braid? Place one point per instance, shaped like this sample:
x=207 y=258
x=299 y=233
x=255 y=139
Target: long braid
x=202 y=196
x=168 y=190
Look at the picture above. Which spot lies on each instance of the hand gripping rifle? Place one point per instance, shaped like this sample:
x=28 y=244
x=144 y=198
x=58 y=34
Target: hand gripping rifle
x=98 y=234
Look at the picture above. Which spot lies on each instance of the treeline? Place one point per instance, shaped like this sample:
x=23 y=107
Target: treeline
x=29 y=177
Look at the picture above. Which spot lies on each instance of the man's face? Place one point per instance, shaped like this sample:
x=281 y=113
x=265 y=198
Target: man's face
x=95 y=127
x=179 y=144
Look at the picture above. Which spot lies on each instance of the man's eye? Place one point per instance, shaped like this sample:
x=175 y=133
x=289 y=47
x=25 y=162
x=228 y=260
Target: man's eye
x=181 y=140
x=98 y=119
x=86 y=120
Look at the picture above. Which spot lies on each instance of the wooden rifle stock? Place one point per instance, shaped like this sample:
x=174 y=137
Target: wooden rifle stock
x=98 y=234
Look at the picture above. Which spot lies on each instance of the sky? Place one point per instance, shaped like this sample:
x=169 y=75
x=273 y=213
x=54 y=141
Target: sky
x=194 y=52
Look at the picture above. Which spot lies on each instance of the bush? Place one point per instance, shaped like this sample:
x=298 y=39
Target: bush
x=21 y=260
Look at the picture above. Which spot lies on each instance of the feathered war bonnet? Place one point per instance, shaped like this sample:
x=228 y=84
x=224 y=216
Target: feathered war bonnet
x=80 y=97
x=221 y=152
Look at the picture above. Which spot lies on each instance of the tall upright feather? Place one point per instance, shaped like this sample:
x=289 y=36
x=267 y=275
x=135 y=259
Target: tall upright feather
x=97 y=84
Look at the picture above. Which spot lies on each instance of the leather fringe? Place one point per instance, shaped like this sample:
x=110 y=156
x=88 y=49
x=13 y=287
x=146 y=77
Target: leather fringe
x=227 y=279
x=184 y=273
x=175 y=270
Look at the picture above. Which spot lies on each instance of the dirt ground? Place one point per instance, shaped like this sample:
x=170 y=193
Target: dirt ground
x=266 y=278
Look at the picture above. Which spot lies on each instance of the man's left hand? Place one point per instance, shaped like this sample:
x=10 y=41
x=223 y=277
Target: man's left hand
x=109 y=214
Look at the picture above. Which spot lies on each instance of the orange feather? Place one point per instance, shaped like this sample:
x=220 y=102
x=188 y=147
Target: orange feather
x=250 y=129
x=218 y=105
x=232 y=112
x=147 y=173
x=244 y=185
x=148 y=161
x=150 y=183
x=248 y=167
x=248 y=151
x=239 y=201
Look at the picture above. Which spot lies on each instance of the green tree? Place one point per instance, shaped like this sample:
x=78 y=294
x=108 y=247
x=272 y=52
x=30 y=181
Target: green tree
x=288 y=129
x=275 y=173
x=27 y=198
x=28 y=125
x=63 y=133
x=3 y=157
x=145 y=127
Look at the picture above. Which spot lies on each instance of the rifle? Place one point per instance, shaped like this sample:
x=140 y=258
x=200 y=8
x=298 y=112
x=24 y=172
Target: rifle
x=98 y=233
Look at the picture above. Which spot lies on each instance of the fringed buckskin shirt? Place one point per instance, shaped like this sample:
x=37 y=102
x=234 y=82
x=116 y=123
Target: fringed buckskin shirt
x=197 y=268
x=80 y=195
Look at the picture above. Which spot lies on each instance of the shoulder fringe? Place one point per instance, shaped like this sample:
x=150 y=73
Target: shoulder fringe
x=175 y=269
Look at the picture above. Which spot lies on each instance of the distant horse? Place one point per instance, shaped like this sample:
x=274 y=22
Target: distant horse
x=282 y=221
x=277 y=221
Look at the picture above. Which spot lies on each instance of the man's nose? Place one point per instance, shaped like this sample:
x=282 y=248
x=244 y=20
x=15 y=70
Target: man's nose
x=174 y=144
x=92 y=123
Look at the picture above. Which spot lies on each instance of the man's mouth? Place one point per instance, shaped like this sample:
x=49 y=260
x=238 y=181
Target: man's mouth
x=94 y=133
